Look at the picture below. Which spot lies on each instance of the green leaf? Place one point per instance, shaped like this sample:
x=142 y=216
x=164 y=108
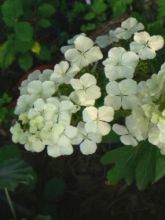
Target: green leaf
x=88 y=27
x=22 y=46
x=54 y=188
x=24 y=31
x=145 y=169
x=9 y=151
x=160 y=166
x=25 y=61
x=119 y=7
x=123 y=159
x=112 y=137
x=89 y=16
x=98 y=6
x=161 y=6
x=45 y=53
x=44 y=23
x=7 y=54
x=43 y=217
x=46 y=10
x=142 y=164
x=11 y=11
x=156 y=26
x=14 y=172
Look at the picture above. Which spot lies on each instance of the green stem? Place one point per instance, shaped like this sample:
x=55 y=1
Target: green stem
x=10 y=203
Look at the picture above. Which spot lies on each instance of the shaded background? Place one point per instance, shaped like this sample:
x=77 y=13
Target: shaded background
x=74 y=187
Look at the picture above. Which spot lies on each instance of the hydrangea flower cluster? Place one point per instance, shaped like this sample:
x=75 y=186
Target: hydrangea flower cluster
x=75 y=103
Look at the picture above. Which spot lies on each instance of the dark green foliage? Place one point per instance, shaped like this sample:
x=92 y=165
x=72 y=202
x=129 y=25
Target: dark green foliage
x=13 y=170
x=5 y=112
x=143 y=164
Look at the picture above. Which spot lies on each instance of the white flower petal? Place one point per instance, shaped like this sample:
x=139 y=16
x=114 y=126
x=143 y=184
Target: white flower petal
x=128 y=140
x=156 y=42
x=83 y=43
x=106 y=113
x=103 y=128
x=89 y=114
x=88 y=80
x=88 y=147
x=119 y=129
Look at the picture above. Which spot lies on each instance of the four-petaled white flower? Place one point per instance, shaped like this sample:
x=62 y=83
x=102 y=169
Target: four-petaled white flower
x=107 y=39
x=125 y=135
x=145 y=45
x=63 y=73
x=70 y=42
x=120 y=63
x=84 y=52
x=97 y=119
x=128 y=28
x=41 y=89
x=122 y=94
x=87 y=140
x=63 y=136
x=24 y=103
x=86 y=90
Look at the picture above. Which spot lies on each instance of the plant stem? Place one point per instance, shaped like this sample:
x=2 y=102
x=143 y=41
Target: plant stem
x=10 y=203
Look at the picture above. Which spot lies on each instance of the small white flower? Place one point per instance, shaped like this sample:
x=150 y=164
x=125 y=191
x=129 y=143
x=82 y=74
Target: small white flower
x=41 y=89
x=33 y=76
x=24 y=103
x=84 y=52
x=87 y=141
x=18 y=135
x=45 y=76
x=86 y=90
x=63 y=73
x=70 y=42
x=122 y=94
x=125 y=135
x=145 y=45
x=97 y=119
x=107 y=39
x=34 y=144
x=120 y=63
x=128 y=28
x=63 y=146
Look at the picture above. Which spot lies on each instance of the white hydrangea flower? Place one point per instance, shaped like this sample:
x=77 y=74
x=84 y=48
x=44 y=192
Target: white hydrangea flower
x=145 y=45
x=41 y=89
x=143 y=93
x=86 y=90
x=70 y=42
x=63 y=73
x=45 y=76
x=162 y=66
x=18 y=135
x=24 y=103
x=84 y=52
x=120 y=63
x=125 y=135
x=128 y=28
x=35 y=75
x=34 y=144
x=87 y=141
x=97 y=119
x=122 y=94
x=107 y=39
x=63 y=146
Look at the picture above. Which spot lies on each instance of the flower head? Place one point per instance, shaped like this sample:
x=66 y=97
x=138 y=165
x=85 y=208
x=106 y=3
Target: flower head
x=84 y=52
x=145 y=45
x=120 y=64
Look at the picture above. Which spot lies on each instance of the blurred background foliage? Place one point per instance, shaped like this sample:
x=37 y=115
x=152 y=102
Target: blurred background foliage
x=32 y=32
